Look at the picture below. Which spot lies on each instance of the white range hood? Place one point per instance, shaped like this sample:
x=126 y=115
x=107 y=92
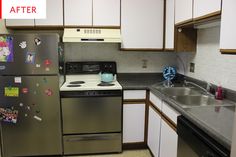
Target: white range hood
x=92 y=35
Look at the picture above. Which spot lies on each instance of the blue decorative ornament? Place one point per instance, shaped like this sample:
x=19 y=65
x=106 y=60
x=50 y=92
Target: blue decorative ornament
x=169 y=73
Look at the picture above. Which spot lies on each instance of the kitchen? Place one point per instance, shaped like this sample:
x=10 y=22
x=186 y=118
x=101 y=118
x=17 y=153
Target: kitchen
x=189 y=35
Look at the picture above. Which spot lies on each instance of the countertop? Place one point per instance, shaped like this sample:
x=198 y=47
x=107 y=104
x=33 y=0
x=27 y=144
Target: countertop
x=217 y=122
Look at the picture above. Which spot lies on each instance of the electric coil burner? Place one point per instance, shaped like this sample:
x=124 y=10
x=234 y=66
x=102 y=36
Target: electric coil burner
x=91 y=109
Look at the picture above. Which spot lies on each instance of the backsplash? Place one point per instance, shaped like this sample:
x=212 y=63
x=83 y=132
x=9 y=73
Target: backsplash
x=127 y=62
x=210 y=64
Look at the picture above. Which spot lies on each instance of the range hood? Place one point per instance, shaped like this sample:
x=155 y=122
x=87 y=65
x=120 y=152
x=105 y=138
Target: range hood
x=92 y=35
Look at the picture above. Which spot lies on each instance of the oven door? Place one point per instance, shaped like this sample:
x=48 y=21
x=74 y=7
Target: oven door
x=91 y=114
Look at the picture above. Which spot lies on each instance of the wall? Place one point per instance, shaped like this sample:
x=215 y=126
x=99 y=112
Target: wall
x=210 y=64
x=126 y=61
x=3 y=29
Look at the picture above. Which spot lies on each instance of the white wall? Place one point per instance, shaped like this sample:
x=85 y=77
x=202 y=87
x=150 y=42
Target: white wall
x=126 y=61
x=3 y=29
x=210 y=64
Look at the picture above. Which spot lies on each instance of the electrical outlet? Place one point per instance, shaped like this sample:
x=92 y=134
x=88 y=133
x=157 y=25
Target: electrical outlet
x=192 y=67
x=144 y=63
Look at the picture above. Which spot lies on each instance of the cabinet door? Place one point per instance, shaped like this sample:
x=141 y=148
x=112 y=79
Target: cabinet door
x=142 y=24
x=106 y=12
x=169 y=141
x=200 y=7
x=228 y=25
x=183 y=11
x=54 y=14
x=154 y=127
x=20 y=22
x=170 y=24
x=133 y=123
x=78 y=12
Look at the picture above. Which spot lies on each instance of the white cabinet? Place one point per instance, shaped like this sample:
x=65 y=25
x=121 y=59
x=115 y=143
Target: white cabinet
x=157 y=102
x=169 y=141
x=78 y=12
x=183 y=10
x=142 y=24
x=170 y=24
x=171 y=113
x=54 y=14
x=154 y=123
x=133 y=123
x=23 y=23
x=106 y=13
x=134 y=94
x=228 y=25
x=205 y=7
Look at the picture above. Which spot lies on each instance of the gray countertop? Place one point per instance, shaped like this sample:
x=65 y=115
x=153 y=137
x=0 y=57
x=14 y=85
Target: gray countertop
x=215 y=121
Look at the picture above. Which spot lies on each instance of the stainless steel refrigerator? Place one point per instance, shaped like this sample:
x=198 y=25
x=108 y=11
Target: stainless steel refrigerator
x=29 y=95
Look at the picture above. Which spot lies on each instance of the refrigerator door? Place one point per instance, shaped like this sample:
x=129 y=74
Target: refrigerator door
x=37 y=129
x=29 y=54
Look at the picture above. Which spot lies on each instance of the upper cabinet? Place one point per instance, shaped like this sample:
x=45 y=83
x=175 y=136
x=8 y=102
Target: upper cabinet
x=142 y=24
x=20 y=23
x=228 y=25
x=183 y=11
x=54 y=14
x=106 y=13
x=205 y=8
x=78 y=12
x=102 y=13
x=170 y=25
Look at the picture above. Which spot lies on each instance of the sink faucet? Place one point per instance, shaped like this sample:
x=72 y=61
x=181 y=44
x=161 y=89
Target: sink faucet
x=207 y=90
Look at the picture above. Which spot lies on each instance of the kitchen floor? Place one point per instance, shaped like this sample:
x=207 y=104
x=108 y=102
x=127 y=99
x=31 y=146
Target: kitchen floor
x=127 y=153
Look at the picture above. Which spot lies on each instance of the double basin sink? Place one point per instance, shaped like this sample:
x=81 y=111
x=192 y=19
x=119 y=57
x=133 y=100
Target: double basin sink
x=188 y=97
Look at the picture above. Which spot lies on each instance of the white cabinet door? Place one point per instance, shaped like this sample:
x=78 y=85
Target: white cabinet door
x=54 y=14
x=169 y=141
x=142 y=24
x=106 y=12
x=157 y=102
x=78 y=12
x=228 y=25
x=134 y=94
x=204 y=7
x=133 y=123
x=20 y=23
x=154 y=127
x=183 y=10
x=170 y=24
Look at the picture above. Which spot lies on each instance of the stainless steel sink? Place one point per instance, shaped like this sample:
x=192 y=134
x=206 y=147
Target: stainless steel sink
x=178 y=91
x=202 y=100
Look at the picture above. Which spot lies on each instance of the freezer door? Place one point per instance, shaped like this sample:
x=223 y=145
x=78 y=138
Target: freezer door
x=29 y=54
x=37 y=129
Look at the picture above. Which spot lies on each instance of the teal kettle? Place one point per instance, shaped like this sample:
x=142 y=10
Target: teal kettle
x=107 y=77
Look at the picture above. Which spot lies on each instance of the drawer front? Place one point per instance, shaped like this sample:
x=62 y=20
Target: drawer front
x=171 y=113
x=156 y=101
x=94 y=143
x=134 y=94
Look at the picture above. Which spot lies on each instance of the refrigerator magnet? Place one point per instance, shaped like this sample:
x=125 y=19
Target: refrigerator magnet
x=6 y=49
x=48 y=92
x=37 y=84
x=25 y=90
x=2 y=67
x=17 y=79
x=37 y=41
x=23 y=44
x=47 y=69
x=38 y=118
x=21 y=104
x=11 y=91
x=30 y=57
x=38 y=65
x=47 y=62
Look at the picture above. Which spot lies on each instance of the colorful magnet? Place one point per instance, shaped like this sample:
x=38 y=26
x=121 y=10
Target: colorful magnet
x=38 y=65
x=48 y=92
x=30 y=57
x=47 y=69
x=47 y=62
x=25 y=90
x=17 y=79
x=37 y=41
x=23 y=44
x=6 y=49
x=8 y=115
x=38 y=118
x=2 y=67
x=21 y=104
x=11 y=91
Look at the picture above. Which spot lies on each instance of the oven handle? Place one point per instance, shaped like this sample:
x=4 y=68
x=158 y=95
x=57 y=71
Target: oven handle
x=89 y=138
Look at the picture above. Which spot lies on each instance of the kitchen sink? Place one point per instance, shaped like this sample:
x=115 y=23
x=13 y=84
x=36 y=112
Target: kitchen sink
x=178 y=91
x=200 y=100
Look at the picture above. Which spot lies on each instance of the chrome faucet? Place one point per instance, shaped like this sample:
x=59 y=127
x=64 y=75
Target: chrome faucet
x=207 y=90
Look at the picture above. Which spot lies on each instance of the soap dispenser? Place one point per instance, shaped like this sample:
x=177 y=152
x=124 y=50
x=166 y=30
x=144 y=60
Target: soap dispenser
x=219 y=93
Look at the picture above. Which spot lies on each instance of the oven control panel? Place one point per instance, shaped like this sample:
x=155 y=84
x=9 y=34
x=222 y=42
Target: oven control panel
x=97 y=93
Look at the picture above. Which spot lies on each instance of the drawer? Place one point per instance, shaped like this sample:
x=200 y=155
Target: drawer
x=93 y=143
x=157 y=102
x=171 y=113
x=134 y=94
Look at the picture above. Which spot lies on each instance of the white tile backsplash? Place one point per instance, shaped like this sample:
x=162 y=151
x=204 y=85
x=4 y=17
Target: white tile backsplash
x=210 y=64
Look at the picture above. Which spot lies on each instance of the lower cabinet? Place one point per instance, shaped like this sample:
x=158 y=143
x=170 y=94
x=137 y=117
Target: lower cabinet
x=154 y=123
x=133 y=123
x=168 y=142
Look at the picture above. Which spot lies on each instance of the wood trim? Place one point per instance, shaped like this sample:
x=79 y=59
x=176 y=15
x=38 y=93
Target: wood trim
x=158 y=111
x=186 y=22
x=164 y=26
x=228 y=51
x=169 y=122
x=210 y=15
x=146 y=118
x=134 y=101
x=136 y=145
x=169 y=49
x=35 y=27
x=151 y=152
x=141 y=49
x=92 y=27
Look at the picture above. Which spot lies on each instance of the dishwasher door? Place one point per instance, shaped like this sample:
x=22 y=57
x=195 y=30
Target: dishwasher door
x=193 y=142
x=91 y=114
